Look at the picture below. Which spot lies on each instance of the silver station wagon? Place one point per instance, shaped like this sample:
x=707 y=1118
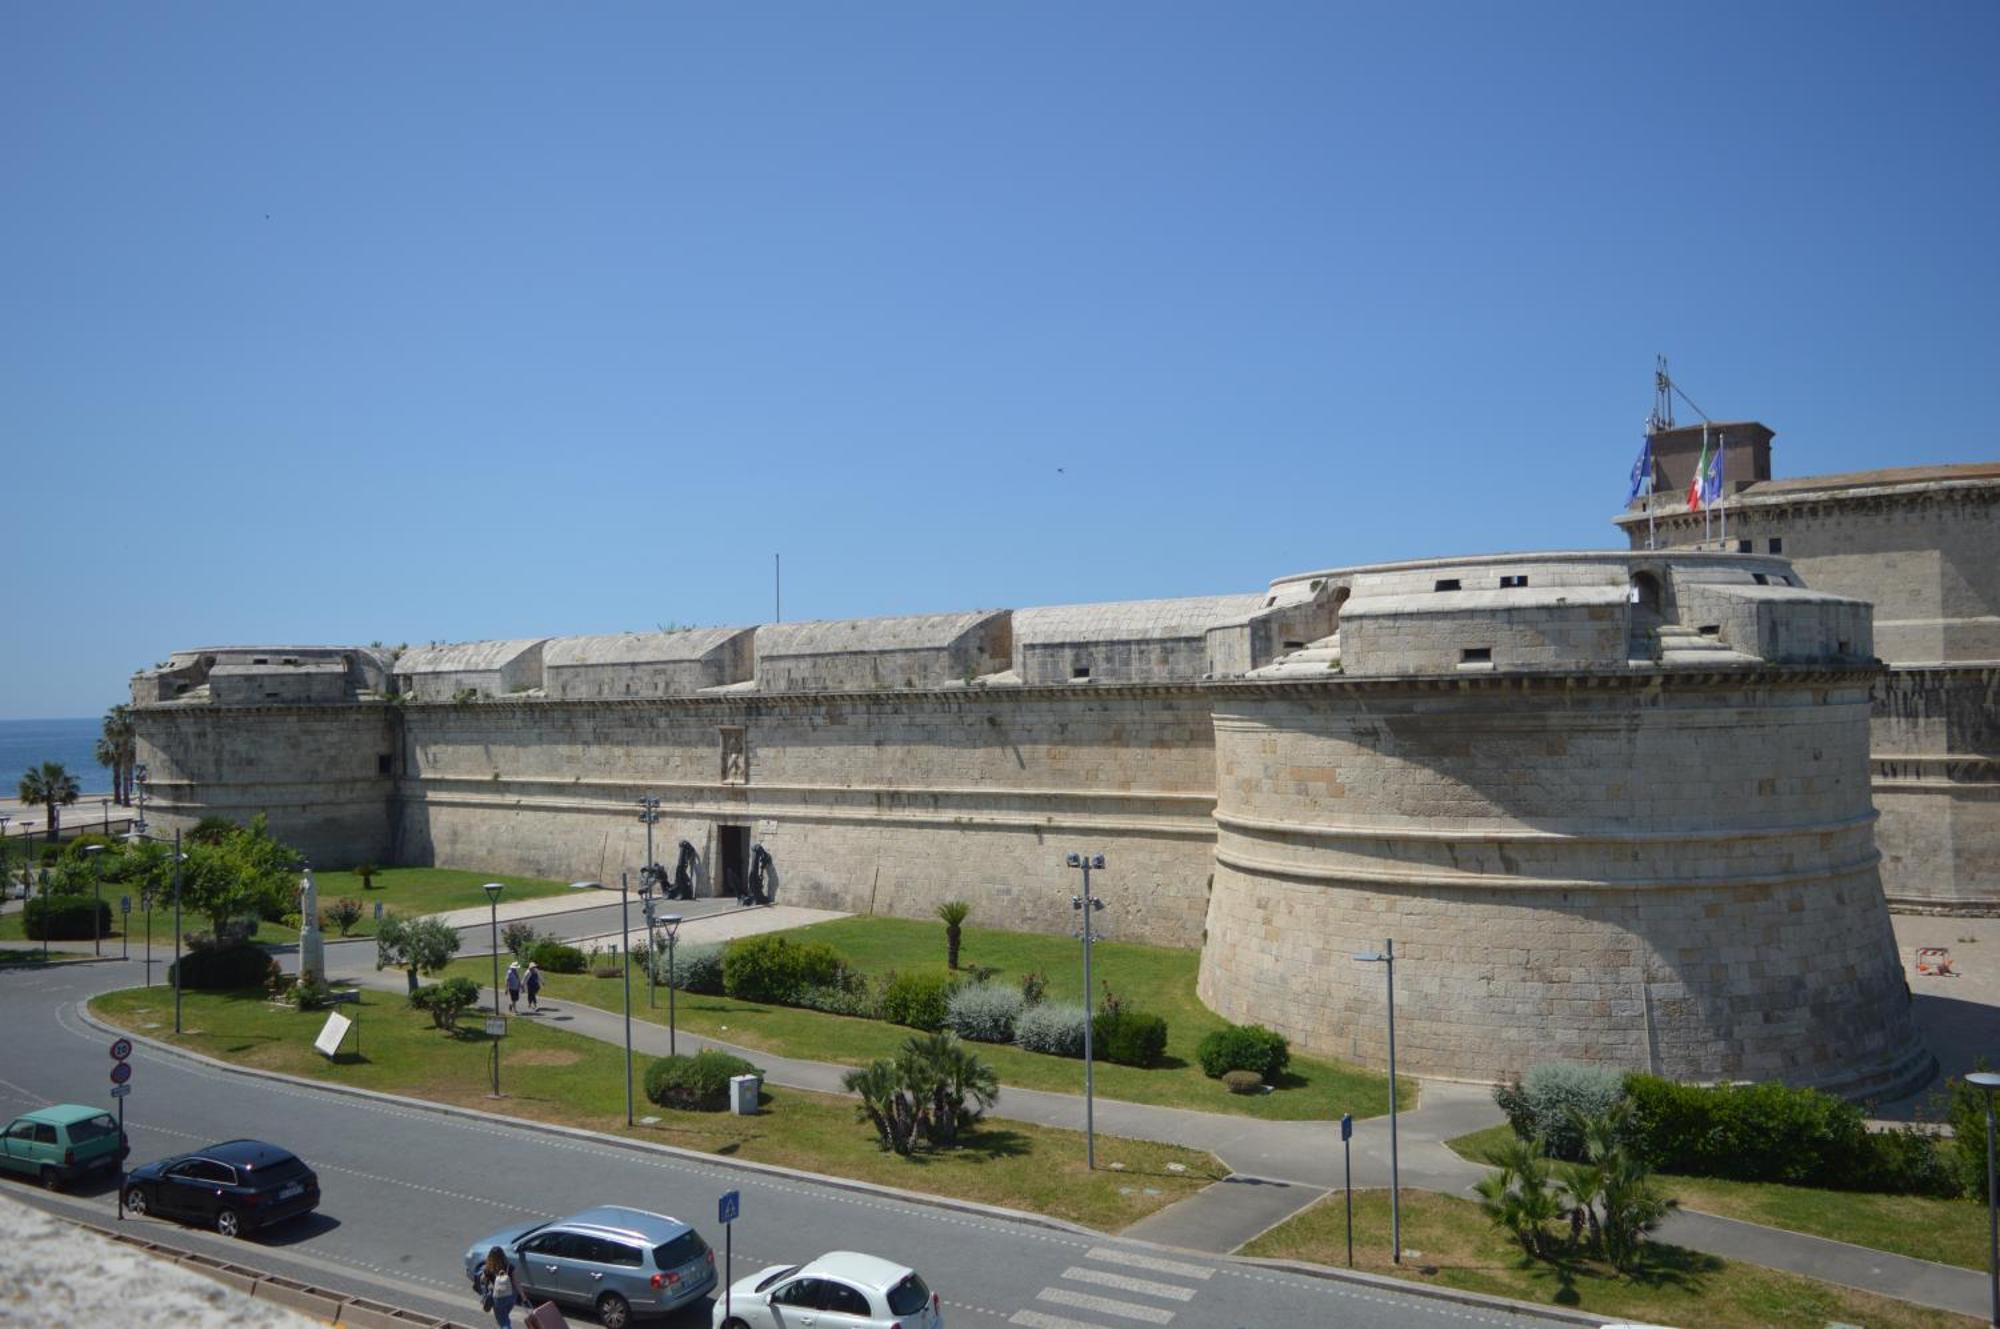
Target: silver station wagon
x=618 y=1263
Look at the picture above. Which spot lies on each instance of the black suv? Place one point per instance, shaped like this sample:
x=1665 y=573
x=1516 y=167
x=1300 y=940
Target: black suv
x=233 y=1187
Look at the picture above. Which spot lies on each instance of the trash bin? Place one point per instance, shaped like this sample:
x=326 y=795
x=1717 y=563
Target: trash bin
x=743 y=1091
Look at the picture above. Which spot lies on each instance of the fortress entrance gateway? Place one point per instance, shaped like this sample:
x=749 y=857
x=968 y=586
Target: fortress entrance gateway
x=732 y=855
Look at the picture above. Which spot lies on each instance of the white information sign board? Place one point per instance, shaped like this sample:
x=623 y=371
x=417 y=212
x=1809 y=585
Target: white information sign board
x=331 y=1036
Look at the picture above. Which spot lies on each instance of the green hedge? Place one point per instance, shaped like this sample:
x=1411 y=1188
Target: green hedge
x=775 y=969
x=556 y=958
x=224 y=969
x=695 y=1084
x=64 y=918
x=919 y=1000
x=1771 y=1132
x=1244 y=1047
x=1130 y=1038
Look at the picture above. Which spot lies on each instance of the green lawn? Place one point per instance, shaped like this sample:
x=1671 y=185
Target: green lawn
x=398 y=890
x=1150 y=978
x=550 y=1075
x=1462 y=1249
x=1946 y=1231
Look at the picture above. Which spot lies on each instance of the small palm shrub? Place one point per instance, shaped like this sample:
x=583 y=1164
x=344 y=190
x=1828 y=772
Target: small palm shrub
x=919 y=1000
x=1034 y=986
x=985 y=1012
x=1555 y=1098
x=699 y=1083
x=445 y=1002
x=954 y=913
x=1244 y=1047
x=1055 y=1028
x=1128 y=1037
x=927 y=1097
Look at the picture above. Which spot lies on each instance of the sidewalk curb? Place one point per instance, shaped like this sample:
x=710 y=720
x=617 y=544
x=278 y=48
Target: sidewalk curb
x=867 y=1188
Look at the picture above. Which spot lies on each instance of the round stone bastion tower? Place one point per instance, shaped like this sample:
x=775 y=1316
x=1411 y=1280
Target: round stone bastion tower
x=1610 y=807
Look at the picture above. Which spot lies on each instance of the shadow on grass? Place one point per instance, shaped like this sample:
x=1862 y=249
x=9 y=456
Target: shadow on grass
x=1657 y=1267
x=978 y=1146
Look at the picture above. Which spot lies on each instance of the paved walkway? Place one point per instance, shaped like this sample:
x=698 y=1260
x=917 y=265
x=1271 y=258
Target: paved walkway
x=1279 y=1167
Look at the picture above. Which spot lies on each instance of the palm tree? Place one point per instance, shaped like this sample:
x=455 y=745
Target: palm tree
x=52 y=787
x=954 y=913
x=121 y=740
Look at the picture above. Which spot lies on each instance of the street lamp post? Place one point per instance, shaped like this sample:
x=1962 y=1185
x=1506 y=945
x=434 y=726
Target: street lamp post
x=1986 y=1082
x=671 y=924
x=493 y=889
x=107 y=814
x=650 y=814
x=625 y=949
x=1088 y=905
x=179 y=859
x=94 y=852
x=6 y=860
x=1386 y=957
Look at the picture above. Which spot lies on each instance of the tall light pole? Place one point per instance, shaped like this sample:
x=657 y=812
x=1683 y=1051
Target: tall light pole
x=6 y=861
x=179 y=860
x=1986 y=1082
x=107 y=814
x=650 y=814
x=625 y=947
x=671 y=924
x=493 y=889
x=1087 y=904
x=93 y=852
x=1386 y=957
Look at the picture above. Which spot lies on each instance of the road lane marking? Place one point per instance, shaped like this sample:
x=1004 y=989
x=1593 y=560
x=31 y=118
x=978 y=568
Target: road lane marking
x=1083 y=1301
x=1112 y=1255
x=1125 y=1283
x=1037 y=1320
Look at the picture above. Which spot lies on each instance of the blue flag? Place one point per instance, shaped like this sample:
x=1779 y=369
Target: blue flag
x=1642 y=471
x=1711 y=484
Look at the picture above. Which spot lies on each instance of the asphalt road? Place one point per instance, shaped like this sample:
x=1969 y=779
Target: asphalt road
x=406 y=1190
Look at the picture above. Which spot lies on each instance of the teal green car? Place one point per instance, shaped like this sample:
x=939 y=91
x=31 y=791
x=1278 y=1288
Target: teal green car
x=60 y=1143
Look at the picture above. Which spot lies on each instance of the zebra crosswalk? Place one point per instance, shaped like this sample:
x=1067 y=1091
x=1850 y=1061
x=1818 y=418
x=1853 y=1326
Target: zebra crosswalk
x=1152 y=1295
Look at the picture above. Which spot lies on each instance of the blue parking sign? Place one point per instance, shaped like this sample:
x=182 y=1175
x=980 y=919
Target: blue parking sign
x=730 y=1205
x=1347 y=1126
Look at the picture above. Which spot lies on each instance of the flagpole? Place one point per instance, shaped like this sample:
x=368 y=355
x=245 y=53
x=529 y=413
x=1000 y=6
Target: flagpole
x=1722 y=475
x=1701 y=487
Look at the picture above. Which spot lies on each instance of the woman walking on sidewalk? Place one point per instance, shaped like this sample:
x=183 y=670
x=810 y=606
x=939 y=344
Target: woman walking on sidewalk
x=496 y=1288
x=534 y=987
x=513 y=987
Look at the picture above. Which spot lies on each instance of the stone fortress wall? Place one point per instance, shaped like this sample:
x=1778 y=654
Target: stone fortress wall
x=1610 y=805
x=1922 y=545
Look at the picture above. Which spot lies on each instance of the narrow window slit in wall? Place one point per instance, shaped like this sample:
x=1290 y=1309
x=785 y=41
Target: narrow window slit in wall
x=1080 y=671
x=1476 y=655
x=1710 y=629
x=1446 y=584
x=1513 y=583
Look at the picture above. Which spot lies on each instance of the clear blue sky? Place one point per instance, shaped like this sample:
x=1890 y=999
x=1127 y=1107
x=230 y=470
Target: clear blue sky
x=449 y=321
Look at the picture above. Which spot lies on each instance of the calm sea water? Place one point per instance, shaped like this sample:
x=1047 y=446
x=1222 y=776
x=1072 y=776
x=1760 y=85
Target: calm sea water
x=25 y=743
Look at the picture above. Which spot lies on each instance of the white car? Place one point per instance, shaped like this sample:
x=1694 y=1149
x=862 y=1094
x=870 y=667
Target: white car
x=839 y=1290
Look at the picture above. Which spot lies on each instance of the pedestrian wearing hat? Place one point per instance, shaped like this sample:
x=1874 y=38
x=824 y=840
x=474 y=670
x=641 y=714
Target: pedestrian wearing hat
x=513 y=987
x=534 y=987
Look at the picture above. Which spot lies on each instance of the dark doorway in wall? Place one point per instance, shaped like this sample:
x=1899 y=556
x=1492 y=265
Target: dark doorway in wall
x=732 y=853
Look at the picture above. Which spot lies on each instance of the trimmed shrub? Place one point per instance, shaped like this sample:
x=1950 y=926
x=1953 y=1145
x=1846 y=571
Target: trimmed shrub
x=695 y=1084
x=1753 y=1132
x=1912 y=1161
x=519 y=938
x=1243 y=1082
x=1551 y=1098
x=697 y=968
x=985 y=1012
x=852 y=997
x=64 y=918
x=1244 y=1047
x=556 y=958
x=920 y=1000
x=446 y=1001
x=1128 y=1037
x=223 y=969
x=1053 y=1027
x=776 y=969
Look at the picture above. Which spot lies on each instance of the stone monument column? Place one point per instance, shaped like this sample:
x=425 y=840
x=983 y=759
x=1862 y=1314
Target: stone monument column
x=312 y=947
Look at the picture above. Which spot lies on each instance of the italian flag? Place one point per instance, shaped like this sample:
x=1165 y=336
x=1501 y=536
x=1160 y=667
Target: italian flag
x=1700 y=470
